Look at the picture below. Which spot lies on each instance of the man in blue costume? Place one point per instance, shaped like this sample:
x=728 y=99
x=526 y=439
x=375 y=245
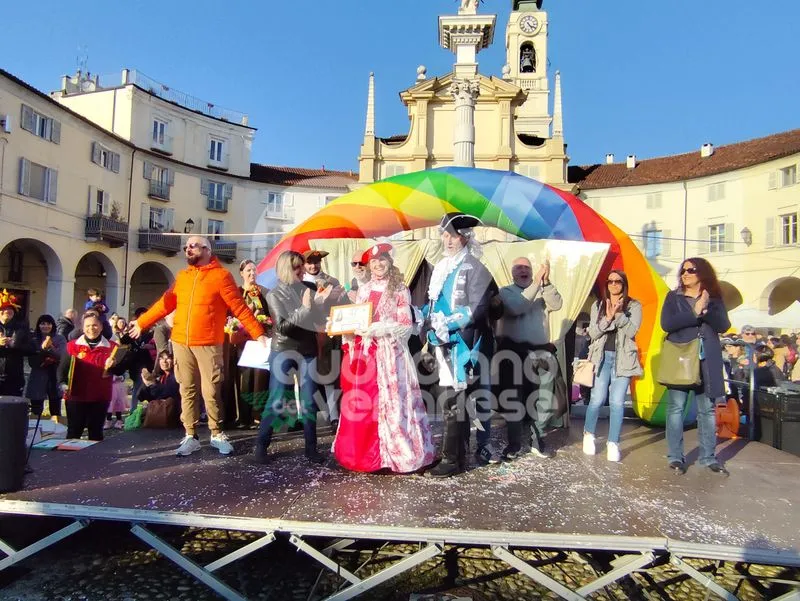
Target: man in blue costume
x=458 y=333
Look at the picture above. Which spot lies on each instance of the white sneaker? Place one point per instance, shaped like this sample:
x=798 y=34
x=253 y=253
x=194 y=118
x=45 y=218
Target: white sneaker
x=107 y=425
x=221 y=443
x=612 y=451
x=189 y=445
x=588 y=444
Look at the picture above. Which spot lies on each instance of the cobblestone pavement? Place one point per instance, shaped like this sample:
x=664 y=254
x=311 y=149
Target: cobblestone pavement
x=106 y=562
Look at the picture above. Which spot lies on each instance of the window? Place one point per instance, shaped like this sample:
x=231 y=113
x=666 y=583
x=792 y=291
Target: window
x=40 y=125
x=37 y=181
x=654 y=200
x=105 y=158
x=161 y=180
x=392 y=170
x=789 y=176
x=789 y=229
x=275 y=203
x=716 y=238
x=531 y=171
x=159 y=132
x=218 y=194
x=652 y=243
x=101 y=204
x=716 y=192
x=215 y=228
x=215 y=153
x=159 y=221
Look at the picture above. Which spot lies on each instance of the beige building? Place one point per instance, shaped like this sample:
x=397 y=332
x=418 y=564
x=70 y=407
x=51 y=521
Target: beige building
x=735 y=205
x=100 y=184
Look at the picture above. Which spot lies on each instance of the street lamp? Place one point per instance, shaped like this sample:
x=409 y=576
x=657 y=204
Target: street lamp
x=747 y=236
x=188 y=226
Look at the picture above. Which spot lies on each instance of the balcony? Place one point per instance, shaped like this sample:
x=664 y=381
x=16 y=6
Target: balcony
x=158 y=190
x=159 y=242
x=279 y=213
x=225 y=250
x=221 y=164
x=162 y=144
x=105 y=229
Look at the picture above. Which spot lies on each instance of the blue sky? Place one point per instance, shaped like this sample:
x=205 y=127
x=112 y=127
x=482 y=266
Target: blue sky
x=639 y=76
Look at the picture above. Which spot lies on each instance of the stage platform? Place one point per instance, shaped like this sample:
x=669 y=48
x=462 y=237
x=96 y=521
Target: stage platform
x=638 y=509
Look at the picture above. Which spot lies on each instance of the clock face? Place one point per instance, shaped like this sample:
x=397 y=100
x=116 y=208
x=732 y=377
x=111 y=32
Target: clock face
x=528 y=23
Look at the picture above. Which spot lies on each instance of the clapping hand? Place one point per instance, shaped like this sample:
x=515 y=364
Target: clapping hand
x=702 y=303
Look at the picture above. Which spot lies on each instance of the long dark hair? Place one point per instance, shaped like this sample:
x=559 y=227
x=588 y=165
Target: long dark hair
x=604 y=295
x=46 y=318
x=706 y=275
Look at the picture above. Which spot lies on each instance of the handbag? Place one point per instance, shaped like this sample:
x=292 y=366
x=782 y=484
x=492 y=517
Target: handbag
x=162 y=413
x=679 y=363
x=584 y=373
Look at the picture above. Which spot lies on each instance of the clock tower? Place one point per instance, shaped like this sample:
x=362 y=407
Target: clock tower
x=526 y=66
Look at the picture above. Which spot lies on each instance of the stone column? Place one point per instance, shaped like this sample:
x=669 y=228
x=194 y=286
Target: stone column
x=465 y=92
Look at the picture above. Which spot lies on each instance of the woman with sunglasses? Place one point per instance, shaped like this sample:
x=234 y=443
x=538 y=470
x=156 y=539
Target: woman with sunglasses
x=695 y=310
x=615 y=319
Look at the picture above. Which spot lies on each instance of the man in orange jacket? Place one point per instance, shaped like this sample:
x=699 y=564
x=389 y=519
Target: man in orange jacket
x=201 y=295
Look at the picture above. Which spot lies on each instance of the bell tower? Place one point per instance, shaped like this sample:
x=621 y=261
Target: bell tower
x=526 y=66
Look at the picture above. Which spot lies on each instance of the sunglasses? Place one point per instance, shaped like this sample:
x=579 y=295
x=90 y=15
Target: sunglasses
x=194 y=245
x=691 y=270
x=748 y=333
x=609 y=282
x=357 y=264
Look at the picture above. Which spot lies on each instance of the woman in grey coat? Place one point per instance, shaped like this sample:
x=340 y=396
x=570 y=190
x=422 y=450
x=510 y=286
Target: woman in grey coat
x=695 y=310
x=614 y=321
x=42 y=381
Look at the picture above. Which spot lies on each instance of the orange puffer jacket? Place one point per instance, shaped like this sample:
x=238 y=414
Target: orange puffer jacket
x=200 y=298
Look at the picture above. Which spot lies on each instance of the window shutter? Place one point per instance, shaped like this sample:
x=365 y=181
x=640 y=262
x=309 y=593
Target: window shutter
x=702 y=240
x=90 y=208
x=115 y=162
x=55 y=131
x=202 y=227
x=169 y=219
x=24 y=177
x=27 y=118
x=729 y=237
x=227 y=193
x=772 y=182
x=769 y=232
x=95 y=153
x=106 y=203
x=52 y=185
x=204 y=187
x=288 y=200
x=148 y=170
x=666 y=243
x=144 y=218
x=170 y=177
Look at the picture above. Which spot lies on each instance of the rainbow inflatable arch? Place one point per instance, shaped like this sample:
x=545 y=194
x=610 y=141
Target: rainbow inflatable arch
x=511 y=202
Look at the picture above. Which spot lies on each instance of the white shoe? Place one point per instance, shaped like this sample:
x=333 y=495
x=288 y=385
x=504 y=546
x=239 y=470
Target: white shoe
x=221 y=443
x=612 y=451
x=107 y=425
x=588 y=444
x=189 y=445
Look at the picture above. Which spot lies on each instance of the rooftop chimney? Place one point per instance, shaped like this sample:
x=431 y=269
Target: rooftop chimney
x=609 y=159
x=631 y=162
x=707 y=150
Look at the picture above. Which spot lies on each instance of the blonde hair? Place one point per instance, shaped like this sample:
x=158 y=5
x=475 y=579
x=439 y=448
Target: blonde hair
x=287 y=262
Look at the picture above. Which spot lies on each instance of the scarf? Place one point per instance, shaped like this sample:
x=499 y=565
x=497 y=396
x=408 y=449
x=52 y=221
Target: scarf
x=442 y=271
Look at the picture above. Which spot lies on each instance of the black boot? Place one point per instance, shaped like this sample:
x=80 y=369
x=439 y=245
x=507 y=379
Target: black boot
x=444 y=469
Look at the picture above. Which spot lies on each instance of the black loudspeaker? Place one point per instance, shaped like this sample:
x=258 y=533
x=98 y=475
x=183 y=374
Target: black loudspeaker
x=778 y=419
x=13 y=431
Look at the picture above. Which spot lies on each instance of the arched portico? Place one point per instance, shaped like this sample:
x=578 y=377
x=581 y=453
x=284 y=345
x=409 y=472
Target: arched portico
x=779 y=294
x=730 y=295
x=148 y=282
x=96 y=270
x=33 y=270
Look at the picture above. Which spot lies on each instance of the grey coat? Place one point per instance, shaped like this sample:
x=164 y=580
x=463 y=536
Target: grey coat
x=626 y=324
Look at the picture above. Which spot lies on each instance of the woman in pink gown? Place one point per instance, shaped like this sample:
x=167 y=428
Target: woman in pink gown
x=383 y=422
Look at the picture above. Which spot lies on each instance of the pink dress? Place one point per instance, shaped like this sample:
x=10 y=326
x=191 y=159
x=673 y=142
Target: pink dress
x=119 y=396
x=383 y=422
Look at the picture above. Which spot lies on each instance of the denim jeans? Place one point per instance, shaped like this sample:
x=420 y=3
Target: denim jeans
x=706 y=426
x=607 y=384
x=281 y=401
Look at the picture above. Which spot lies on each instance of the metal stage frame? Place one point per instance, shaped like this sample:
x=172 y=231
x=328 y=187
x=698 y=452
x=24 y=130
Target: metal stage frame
x=635 y=552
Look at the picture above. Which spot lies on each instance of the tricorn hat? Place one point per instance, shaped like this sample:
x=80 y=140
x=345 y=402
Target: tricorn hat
x=314 y=256
x=8 y=301
x=382 y=248
x=458 y=223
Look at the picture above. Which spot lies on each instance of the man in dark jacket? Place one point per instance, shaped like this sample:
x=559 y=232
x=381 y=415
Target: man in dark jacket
x=65 y=324
x=458 y=330
x=15 y=344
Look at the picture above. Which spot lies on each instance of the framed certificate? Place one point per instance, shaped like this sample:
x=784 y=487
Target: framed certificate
x=346 y=319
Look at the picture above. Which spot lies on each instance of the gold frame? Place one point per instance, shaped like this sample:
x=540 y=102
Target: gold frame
x=340 y=309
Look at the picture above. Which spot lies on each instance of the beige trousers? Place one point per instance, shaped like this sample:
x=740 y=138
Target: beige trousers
x=199 y=365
